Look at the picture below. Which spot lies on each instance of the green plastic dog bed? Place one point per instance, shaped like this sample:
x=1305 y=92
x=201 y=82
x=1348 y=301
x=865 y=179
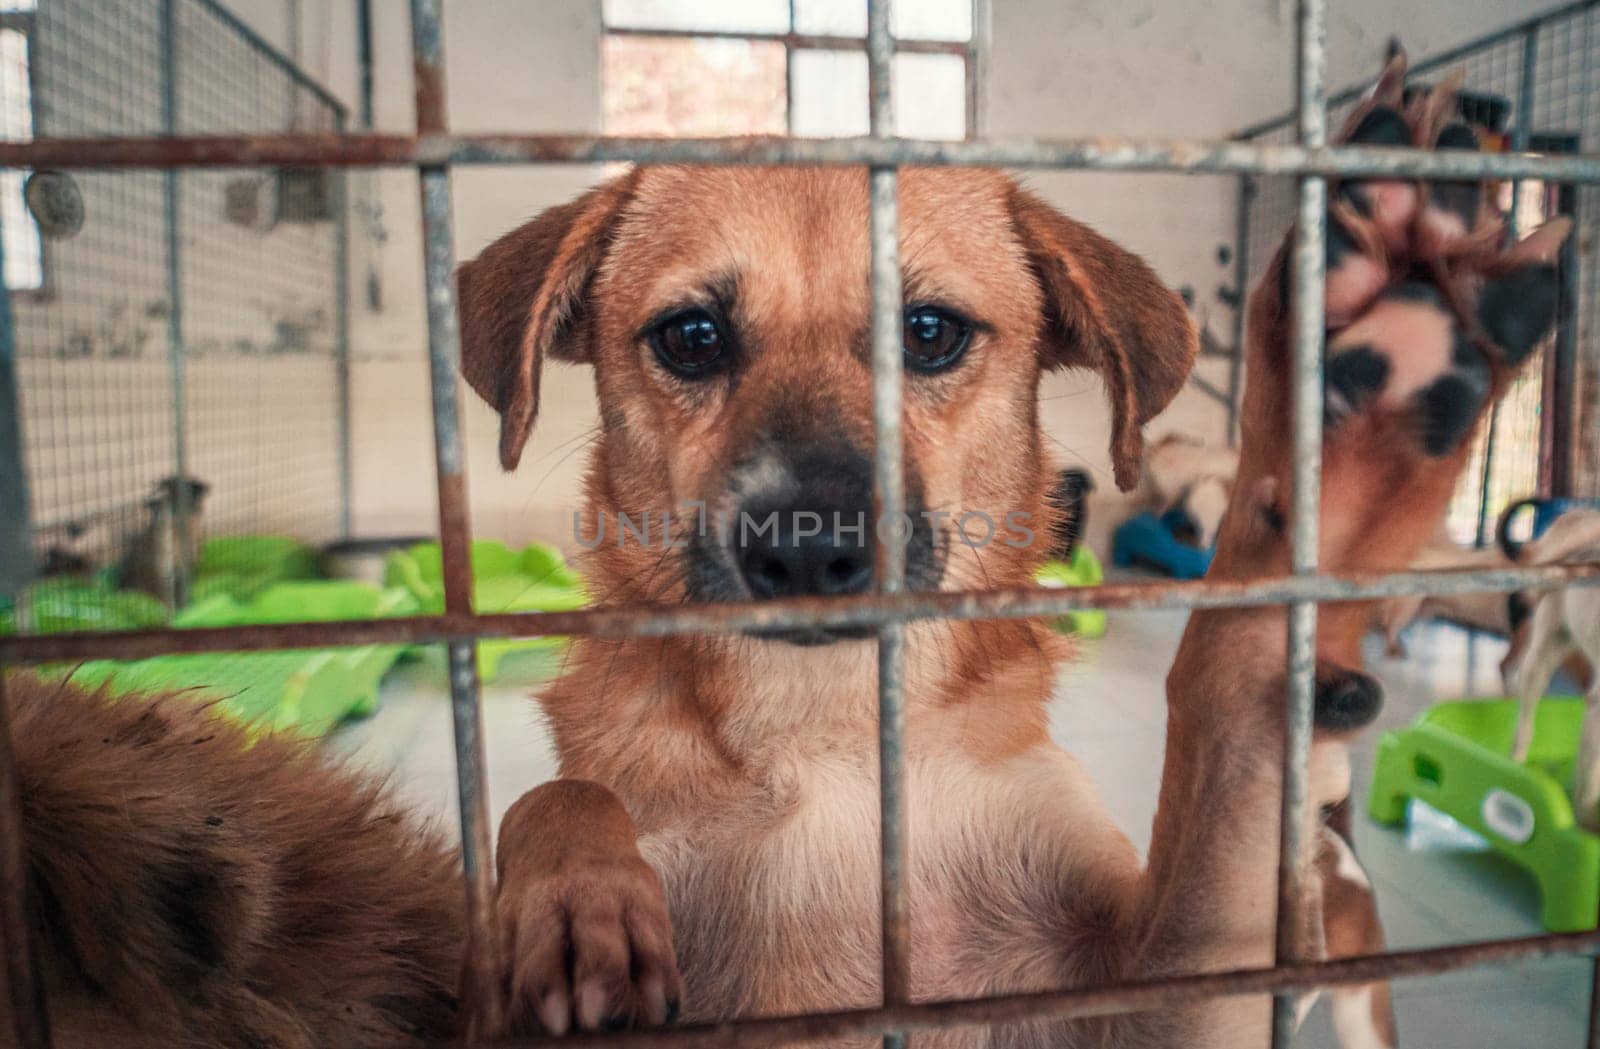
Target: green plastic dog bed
x=1457 y=758
x=533 y=579
x=306 y=692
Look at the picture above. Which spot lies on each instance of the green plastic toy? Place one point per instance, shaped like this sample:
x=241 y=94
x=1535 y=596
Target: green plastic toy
x=1457 y=759
x=1083 y=570
x=533 y=579
x=303 y=692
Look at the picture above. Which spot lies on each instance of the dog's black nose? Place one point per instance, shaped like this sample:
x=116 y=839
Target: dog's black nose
x=796 y=556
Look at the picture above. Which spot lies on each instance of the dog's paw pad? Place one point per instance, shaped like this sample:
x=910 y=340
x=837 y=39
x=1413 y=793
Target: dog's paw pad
x=1518 y=310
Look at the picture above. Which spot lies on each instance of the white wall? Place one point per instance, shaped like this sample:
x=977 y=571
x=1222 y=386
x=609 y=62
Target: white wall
x=1055 y=68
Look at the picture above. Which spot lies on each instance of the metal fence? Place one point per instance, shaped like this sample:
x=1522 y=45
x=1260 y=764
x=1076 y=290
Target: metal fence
x=433 y=149
x=1531 y=85
x=192 y=324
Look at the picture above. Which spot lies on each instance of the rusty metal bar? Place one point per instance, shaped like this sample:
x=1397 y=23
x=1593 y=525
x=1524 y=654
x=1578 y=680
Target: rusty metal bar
x=889 y=549
x=1184 y=156
x=177 y=589
x=1306 y=295
x=480 y=997
x=30 y=1021
x=1241 y=305
x=1082 y=1003
x=865 y=610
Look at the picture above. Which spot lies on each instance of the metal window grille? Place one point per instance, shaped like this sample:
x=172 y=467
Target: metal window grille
x=433 y=149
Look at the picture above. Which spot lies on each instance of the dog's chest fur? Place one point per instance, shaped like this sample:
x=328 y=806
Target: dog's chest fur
x=775 y=897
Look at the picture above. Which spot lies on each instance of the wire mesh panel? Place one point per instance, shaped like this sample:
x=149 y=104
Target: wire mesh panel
x=181 y=322
x=1547 y=68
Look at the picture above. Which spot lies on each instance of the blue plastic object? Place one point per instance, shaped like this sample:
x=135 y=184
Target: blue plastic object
x=1144 y=540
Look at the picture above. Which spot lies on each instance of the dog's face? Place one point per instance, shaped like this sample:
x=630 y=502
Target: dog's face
x=727 y=312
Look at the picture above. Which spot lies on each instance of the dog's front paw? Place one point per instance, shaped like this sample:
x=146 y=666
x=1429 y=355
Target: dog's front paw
x=586 y=940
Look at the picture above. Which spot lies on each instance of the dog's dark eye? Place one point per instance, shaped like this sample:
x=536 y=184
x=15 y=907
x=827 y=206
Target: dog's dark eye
x=934 y=338
x=689 y=343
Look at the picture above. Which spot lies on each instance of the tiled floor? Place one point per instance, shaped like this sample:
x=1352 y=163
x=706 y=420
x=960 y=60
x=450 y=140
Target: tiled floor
x=1426 y=898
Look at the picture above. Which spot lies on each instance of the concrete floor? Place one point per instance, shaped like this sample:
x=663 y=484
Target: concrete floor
x=1426 y=898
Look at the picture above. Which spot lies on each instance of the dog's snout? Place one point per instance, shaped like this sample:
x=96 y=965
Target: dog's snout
x=807 y=554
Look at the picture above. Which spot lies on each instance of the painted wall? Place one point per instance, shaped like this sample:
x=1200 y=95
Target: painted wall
x=1054 y=68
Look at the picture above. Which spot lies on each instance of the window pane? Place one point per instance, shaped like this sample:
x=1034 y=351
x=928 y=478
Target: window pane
x=16 y=92
x=830 y=93
x=831 y=17
x=685 y=88
x=930 y=96
x=24 y=266
x=932 y=20
x=723 y=16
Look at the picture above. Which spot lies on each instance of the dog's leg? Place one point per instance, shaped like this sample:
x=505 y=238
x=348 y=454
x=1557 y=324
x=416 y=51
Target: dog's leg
x=1363 y=1015
x=1586 y=776
x=586 y=939
x=1427 y=316
x=1530 y=676
x=1398 y=614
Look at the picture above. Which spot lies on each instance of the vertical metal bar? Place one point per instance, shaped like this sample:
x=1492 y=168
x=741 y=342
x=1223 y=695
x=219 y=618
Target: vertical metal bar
x=481 y=967
x=30 y=1021
x=1307 y=297
x=1241 y=292
x=977 y=68
x=1519 y=143
x=1523 y=128
x=788 y=73
x=1491 y=435
x=341 y=346
x=364 y=59
x=177 y=362
x=1585 y=90
x=17 y=565
x=889 y=516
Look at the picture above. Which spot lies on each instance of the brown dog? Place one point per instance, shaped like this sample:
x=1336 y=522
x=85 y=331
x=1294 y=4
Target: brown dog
x=195 y=888
x=725 y=313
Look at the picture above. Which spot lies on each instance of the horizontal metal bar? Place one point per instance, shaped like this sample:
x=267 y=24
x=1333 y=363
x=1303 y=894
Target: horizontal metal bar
x=799 y=41
x=1188 y=156
x=855 y=611
x=1430 y=63
x=1082 y=1003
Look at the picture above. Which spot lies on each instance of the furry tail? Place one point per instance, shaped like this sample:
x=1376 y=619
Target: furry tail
x=207 y=891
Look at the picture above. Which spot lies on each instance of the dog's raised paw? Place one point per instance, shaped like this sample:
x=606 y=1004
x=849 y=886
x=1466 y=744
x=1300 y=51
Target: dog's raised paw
x=1430 y=306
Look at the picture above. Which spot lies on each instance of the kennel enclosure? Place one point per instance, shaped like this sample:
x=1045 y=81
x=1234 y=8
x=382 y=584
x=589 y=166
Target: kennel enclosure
x=196 y=324
x=433 y=150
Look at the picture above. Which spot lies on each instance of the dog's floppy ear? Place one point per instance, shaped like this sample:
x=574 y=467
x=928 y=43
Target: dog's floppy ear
x=1106 y=309
x=523 y=298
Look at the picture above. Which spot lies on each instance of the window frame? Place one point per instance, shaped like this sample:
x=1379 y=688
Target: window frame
x=24 y=21
x=970 y=51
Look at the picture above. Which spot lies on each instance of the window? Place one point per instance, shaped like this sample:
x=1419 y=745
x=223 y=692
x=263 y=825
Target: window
x=24 y=255
x=774 y=67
